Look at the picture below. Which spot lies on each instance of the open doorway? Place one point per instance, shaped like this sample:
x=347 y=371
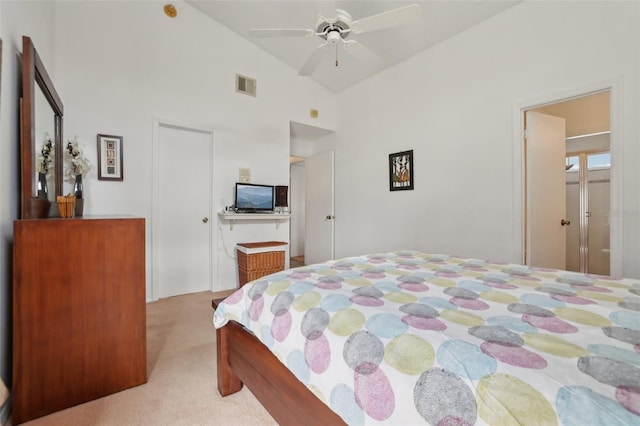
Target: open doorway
x=576 y=229
x=297 y=222
x=312 y=195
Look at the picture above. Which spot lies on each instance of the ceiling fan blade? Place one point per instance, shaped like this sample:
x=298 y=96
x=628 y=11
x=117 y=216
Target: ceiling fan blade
x=313 y=60
x=281 y=32
x=360 y=52
x=390 y=18
x=327 y=9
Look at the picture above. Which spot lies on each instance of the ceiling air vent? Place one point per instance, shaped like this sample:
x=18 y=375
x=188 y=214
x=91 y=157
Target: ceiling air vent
x=245 y=85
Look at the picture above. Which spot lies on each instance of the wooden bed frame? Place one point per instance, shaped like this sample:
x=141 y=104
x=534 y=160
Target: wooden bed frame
x=242 y=358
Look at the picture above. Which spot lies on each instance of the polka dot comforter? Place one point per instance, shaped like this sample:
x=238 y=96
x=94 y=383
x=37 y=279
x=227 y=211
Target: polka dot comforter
x=409 y=338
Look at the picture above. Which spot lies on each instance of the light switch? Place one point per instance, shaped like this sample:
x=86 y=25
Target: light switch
x=244 y=175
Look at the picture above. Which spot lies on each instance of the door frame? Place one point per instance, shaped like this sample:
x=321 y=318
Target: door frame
x=519 y=225
x=155 y=191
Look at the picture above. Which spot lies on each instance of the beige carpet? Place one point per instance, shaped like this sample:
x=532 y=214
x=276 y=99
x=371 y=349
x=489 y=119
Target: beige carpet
x=181 y=388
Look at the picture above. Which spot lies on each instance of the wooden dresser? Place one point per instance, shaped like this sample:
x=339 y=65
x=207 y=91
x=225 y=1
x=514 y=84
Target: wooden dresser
x=79 y=312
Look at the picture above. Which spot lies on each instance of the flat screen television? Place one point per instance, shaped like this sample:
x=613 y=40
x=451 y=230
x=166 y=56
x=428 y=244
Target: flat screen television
x=254 y=198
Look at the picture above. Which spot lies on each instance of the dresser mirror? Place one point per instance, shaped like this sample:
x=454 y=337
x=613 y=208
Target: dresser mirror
x=41 y=120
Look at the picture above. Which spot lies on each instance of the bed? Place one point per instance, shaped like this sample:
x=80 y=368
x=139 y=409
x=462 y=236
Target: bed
x=408 y=338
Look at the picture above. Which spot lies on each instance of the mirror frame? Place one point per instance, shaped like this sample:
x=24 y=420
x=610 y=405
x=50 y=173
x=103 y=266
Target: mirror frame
x=33 y=71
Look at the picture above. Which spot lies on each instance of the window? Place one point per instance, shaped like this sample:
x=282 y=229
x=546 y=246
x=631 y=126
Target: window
x=573 y=163
x=599 y=161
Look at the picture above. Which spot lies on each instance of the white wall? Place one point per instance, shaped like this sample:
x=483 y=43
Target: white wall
x=118 y=66
x=16 y=19
x=122 y=64
x=453 y=105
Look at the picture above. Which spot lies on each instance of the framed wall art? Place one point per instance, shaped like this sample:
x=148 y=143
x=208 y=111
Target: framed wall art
x=401 y=171
x=110 y=157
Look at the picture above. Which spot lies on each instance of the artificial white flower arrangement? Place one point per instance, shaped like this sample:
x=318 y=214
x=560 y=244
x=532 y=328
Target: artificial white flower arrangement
x=46 y=155
x=78 y=164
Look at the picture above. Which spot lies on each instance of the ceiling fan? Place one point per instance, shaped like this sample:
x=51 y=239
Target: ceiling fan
x=334 y=26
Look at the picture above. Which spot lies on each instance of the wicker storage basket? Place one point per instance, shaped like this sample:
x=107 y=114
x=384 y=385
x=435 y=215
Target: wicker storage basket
x=254 y=262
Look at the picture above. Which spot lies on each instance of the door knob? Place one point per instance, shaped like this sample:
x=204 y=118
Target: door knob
x=565 y=222
x=205 y=219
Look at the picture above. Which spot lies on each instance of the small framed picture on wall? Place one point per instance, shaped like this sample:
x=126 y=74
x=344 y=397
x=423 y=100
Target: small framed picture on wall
x=401 y=171
x=110 y=157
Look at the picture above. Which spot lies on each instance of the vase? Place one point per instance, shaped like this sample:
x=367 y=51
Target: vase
x=43 y=191
x=77 y=190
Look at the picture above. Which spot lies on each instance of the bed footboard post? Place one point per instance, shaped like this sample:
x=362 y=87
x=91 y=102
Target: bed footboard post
x=228 y=381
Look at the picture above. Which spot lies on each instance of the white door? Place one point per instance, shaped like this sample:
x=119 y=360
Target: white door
x=182 y=236
x=319 y=208
x=546 y=190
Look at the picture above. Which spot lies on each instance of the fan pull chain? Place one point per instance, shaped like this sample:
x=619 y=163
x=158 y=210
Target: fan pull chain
x=336 y=54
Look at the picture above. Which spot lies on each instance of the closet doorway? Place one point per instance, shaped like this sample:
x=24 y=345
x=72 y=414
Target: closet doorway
x=182 y=234
x=582 y=234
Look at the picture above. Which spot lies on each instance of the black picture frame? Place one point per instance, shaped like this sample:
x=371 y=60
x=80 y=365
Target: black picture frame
x=401 y=171
x=110 y=158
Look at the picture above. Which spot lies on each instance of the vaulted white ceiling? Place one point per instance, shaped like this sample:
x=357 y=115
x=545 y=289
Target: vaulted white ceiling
x=438 y=21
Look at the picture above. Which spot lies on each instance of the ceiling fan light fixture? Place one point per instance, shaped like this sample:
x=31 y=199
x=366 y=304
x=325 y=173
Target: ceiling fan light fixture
x=339 y=28
x=341 y=24
x=333 y=37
